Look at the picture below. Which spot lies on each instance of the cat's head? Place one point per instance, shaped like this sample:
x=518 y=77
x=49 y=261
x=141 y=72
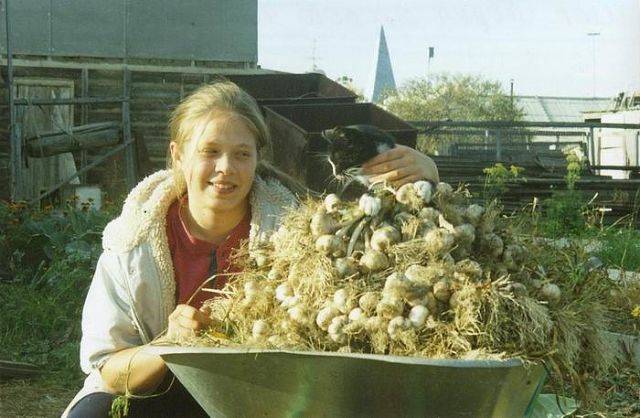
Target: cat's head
x=351 y=146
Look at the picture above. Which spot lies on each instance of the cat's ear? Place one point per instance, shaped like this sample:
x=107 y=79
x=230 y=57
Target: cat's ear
x=328 y=135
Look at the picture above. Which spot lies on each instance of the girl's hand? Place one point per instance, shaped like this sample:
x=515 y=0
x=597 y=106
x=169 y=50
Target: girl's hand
x=401 y=165
x=187 y=321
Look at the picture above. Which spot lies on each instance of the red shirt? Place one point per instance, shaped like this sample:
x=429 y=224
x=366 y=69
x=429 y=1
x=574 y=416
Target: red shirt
x=192 y=257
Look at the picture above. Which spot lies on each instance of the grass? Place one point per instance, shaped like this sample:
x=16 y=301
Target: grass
x=47 y=258
x=621 y=249
x=34 y=398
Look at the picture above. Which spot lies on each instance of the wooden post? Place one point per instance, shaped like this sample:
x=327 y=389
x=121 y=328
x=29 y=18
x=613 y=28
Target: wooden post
x=129 y=158
x=14 y=129
x=592 y=145
x=84 y=118
x=637 y=148
x=498 y=145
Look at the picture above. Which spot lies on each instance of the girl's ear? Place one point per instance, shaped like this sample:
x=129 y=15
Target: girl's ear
x=175 y=154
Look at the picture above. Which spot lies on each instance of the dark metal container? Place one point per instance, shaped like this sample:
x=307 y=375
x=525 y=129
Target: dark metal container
x=297 y=143
x=274 y=89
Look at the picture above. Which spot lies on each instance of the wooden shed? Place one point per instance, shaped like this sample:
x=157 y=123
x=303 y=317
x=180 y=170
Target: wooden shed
x=69 y=64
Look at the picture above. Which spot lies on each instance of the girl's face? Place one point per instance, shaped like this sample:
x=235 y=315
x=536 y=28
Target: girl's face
x=218 y=163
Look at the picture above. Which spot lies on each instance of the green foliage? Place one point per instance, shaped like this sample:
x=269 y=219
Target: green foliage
x=576 y=162
x=47 y=259
x=454 y=97
x=621 y=248
x=564 y=215
x=496 y=179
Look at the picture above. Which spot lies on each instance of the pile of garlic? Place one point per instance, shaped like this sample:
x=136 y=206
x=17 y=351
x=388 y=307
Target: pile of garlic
x=398 y=271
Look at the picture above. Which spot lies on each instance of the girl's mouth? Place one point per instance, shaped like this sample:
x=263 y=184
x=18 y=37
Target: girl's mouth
x=223 y=187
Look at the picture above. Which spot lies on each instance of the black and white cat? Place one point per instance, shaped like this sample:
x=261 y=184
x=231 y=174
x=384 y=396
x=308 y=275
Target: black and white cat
x=351 y=146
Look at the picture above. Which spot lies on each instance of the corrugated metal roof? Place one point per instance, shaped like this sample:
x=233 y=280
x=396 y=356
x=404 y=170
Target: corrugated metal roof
x=560 y=109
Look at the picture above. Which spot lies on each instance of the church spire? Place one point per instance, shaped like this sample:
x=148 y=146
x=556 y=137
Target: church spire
x=383 y=78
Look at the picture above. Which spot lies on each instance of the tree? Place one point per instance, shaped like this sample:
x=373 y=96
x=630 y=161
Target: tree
x=451 y=97
x=454 y=97
x=347 y=82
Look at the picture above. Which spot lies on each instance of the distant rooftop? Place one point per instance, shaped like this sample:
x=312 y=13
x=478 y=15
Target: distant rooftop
x=561 y=109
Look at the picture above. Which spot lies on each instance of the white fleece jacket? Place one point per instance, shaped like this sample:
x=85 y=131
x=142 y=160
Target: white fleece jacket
x=133 y=288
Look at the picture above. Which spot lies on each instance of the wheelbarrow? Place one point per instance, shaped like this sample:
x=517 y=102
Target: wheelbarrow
x=229 y=382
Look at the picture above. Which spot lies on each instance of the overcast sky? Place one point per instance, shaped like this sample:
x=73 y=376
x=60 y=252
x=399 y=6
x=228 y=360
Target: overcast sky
x=542 y=45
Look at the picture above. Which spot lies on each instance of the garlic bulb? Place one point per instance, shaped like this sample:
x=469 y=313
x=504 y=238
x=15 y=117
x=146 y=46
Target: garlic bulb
x=374 y=324
x=290 y=301
x=513 y=256
x=396 y=283
x=402 y=218
x=551 y=292
x=356 y=314
x=444 y=189
x=406 y=194
x=519 y=289
x=345 y=267
x=470 y=268
x=331 y=203
x=432 y=302
x=283 y=291
x=424 y=190
x=298 y=315
x=439 y=241
x=322 y=223
x=442 y=290
x=341 y=300
x=370 y=205
x=417 y=274
x=373 y=260
x=328 y=244
x=325 y=315
x=274 y=274
x=250 y=288
x=260 y=329
x=397 y=324
x=389 y=307
x=430 y=214
x=260 y=257
x=492 y=244
x=384 y=237
x=368 y=301
x=454 y=300
x=465 y=234
x=474 y=213
x=335 y=329
x=418 y=315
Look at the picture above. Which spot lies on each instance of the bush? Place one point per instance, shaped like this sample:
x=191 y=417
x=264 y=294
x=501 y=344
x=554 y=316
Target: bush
x=47 y=259
x=564 y=215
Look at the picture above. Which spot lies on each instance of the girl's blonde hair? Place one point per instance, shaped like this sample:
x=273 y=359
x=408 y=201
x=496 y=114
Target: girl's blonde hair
x=222 y=97
x=225 y=97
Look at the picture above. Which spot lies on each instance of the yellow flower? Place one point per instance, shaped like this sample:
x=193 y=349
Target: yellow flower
x=635 y=312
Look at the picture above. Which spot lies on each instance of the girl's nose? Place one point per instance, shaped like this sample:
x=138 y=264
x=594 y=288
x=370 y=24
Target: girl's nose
x=224 y=164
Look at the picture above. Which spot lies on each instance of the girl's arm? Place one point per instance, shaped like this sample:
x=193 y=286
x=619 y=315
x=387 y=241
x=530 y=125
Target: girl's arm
x=140 y=371
x=134 y=369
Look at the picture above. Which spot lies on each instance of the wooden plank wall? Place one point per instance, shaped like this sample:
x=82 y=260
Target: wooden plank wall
x=153 y=97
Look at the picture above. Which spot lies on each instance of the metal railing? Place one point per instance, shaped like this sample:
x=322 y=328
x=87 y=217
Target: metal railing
x=498 y=138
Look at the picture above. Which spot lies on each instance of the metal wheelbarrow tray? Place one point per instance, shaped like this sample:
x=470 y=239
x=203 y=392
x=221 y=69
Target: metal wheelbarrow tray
x=231 y=382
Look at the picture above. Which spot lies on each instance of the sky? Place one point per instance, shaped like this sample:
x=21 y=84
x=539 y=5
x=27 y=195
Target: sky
x=541 y=45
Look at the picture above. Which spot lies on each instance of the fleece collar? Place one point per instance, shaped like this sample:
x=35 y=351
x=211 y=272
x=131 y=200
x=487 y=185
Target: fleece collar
x=143 y=220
